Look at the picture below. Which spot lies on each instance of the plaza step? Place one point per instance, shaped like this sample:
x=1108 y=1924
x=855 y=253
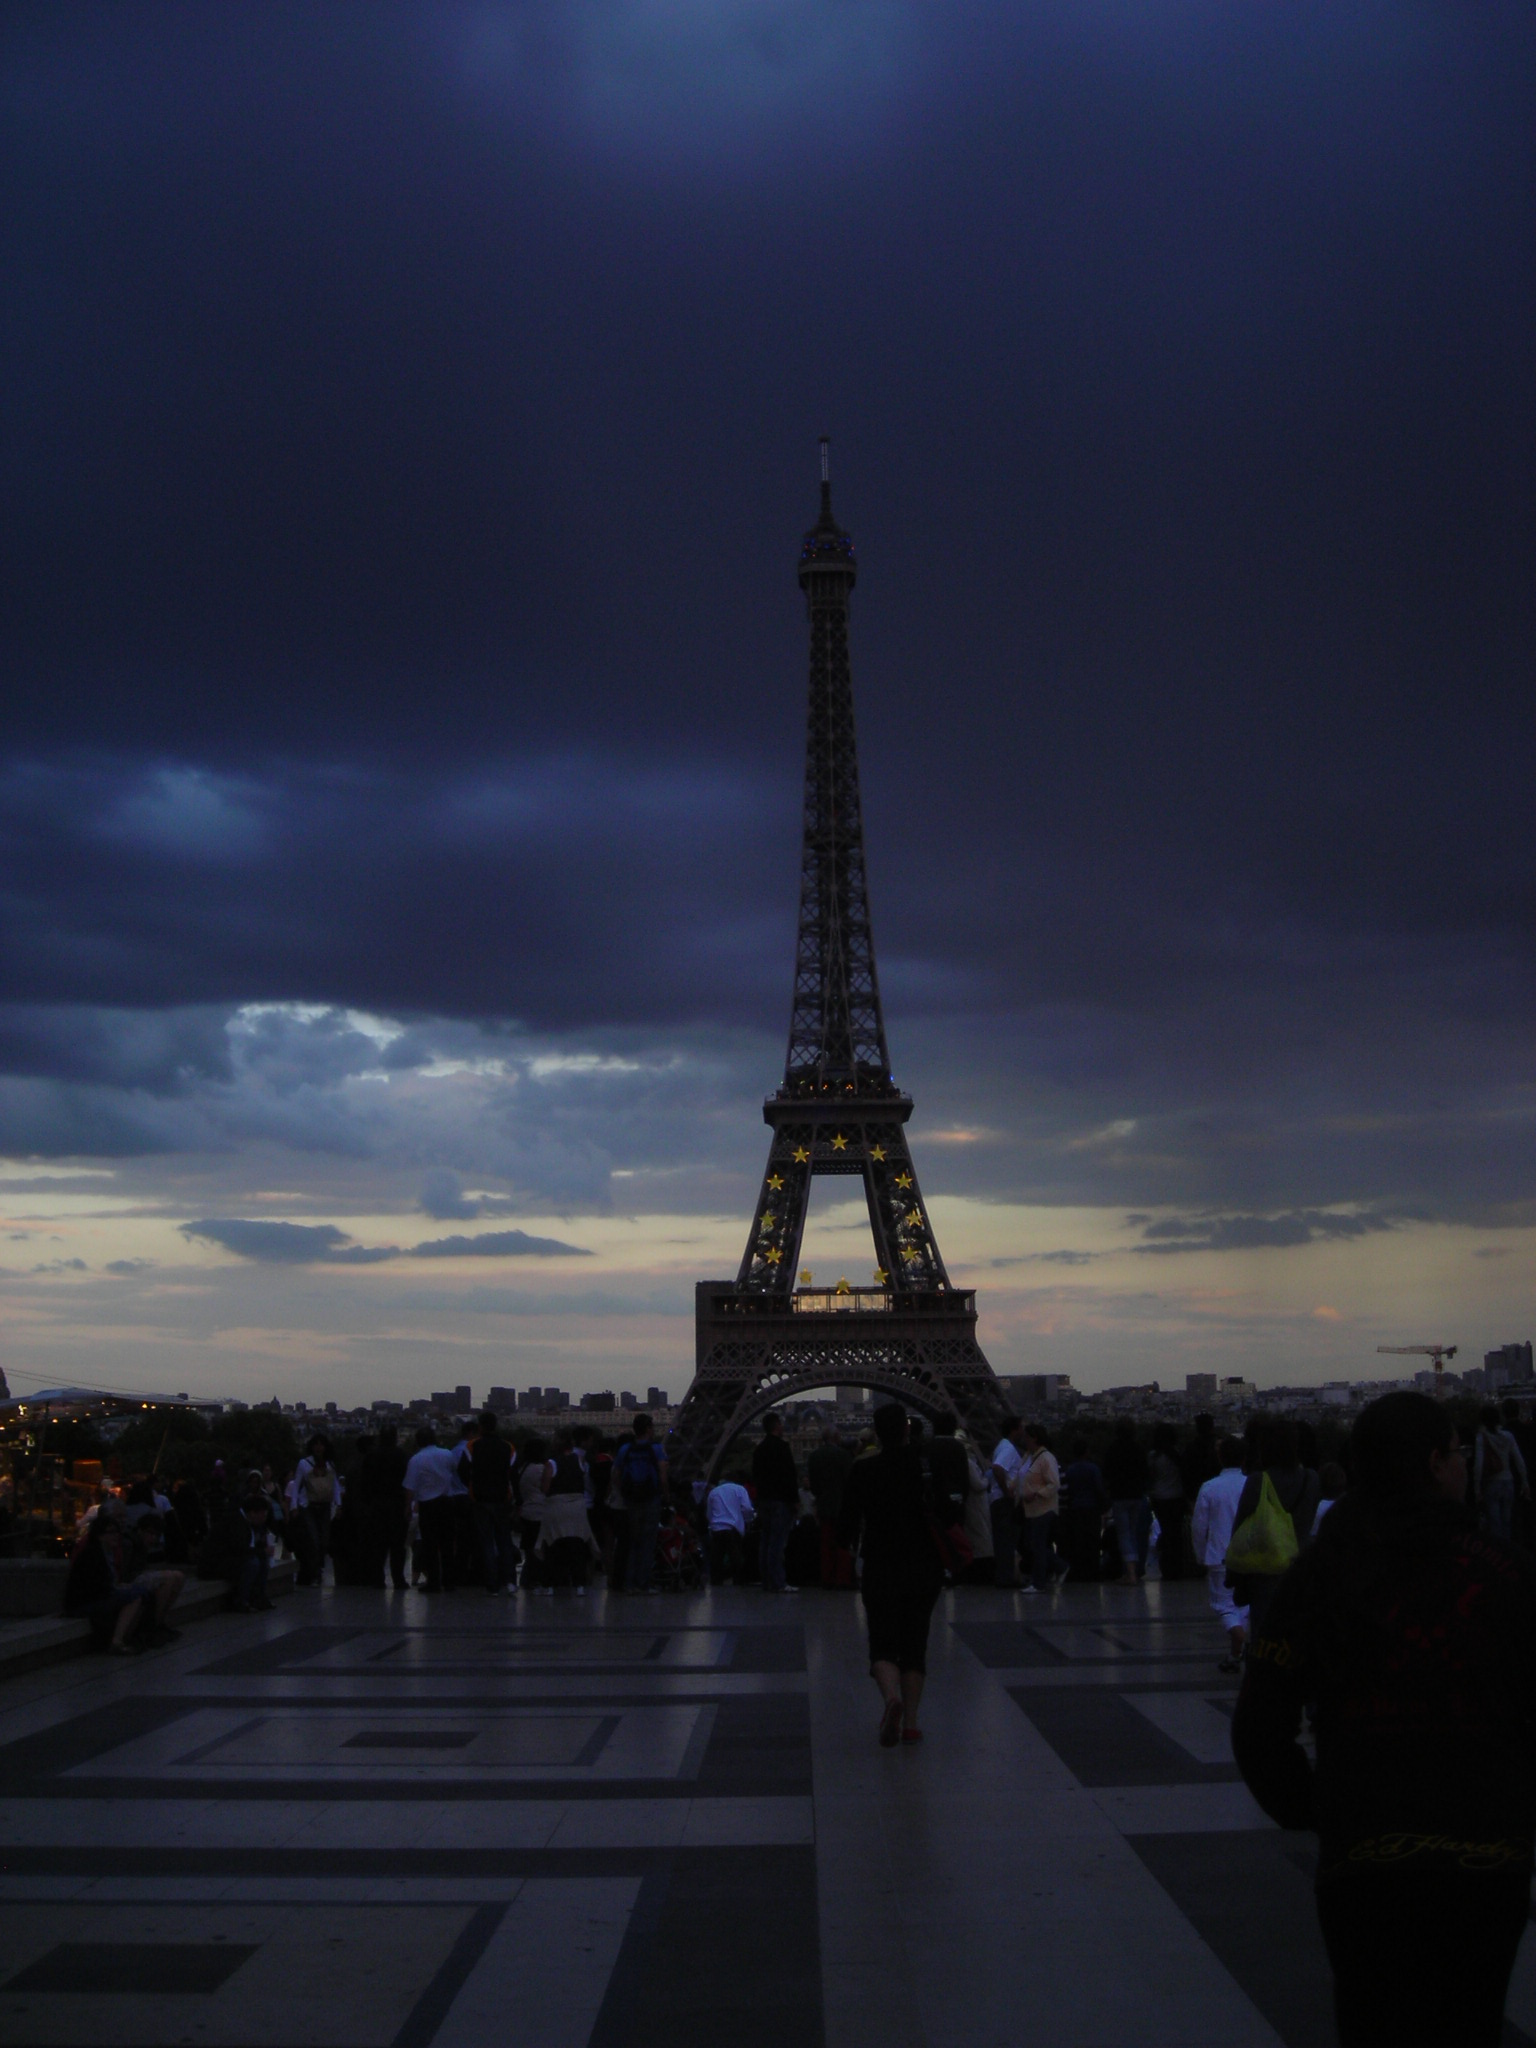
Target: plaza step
x=51 y=1638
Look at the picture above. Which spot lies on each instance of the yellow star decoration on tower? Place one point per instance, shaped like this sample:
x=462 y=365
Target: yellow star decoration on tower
x=903 y=1180
x=801 y=1155
x=839 y=1143
x=914 y=1216
x=877 y=1152
x=775 y=1181
x=881 y=1276
x=766 y=1224
x=773 y=1255
x=909 y=1254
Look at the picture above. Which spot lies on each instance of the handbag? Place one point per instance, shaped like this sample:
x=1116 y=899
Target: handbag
x=1265 y=1543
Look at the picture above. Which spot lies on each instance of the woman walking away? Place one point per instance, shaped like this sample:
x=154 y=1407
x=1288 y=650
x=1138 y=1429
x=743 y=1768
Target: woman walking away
x=884 y=1497
x=1125 y=1474
x=1413 y=1638
x=1170 y=1502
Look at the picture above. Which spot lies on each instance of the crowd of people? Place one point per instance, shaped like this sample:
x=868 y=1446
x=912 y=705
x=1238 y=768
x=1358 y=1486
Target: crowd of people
x=1381 y=1609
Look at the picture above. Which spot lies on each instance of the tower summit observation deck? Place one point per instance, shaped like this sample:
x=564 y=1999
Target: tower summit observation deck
x=911 y=1336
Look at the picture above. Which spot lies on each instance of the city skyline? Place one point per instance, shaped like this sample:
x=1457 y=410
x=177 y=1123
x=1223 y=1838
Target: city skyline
x=400 y=792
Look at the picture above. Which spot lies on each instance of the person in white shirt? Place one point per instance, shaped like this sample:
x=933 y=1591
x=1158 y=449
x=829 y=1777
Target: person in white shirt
x=729 y=1509
x=1497 y=1470
x=317 y=1497
x=1036 y=1486
x=1210 y=1531
x=1006 y=1460
x=429 y=1483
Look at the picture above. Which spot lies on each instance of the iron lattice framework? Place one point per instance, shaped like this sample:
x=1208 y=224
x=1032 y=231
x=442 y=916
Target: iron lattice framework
x=911 y=1335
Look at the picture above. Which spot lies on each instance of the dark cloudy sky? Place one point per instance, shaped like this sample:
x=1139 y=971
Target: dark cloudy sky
x=409 y=421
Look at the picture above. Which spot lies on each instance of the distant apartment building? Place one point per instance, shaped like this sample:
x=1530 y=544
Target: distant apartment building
x=603 y=1402
x=1036 y=1389
x=501 y=1401
x=629 y=1401
x=1200 y=1386
x=655 y=1398
x=853 y=1398
x=1509 y=1366
x=458 y=1401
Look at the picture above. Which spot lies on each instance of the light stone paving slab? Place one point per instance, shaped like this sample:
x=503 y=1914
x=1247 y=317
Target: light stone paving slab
x=277 y=1740
x=1201 y=1730
x=544 y=1973
x=497 y=1650
x=352 y=1974
x=764 y=1822
x=522 y=1686
x=1181 y=1809
x=980 y=1840
x=391 y=1824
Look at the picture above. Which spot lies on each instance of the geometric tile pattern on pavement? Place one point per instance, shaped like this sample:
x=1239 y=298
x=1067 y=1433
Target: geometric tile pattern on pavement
x=375 y=1822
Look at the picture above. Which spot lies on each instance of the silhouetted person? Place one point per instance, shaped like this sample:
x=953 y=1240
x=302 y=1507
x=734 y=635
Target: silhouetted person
x=1125 y=1474
x=778 y=1502
x=826 y=1472
x=1413 y=1639
x=383 y=1517
x=885 y=1507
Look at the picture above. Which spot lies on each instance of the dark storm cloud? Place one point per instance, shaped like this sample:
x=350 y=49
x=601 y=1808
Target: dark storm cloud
x=408 y=434
x=323 y=1244
x=498 y=1244
x=443 y=1198
x=287 y=1244
x=1258 y=1233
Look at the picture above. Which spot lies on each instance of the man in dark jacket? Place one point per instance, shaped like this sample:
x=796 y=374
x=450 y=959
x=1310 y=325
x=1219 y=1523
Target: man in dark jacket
x=827 y=1471
x=1126 y=1475
x=236 y=1551
x=778 y=1502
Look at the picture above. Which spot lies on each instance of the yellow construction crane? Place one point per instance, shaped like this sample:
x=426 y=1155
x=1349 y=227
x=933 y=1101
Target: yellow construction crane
x=1438 y=1352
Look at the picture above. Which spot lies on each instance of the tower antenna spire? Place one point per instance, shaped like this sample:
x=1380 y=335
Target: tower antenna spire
x=826 y=458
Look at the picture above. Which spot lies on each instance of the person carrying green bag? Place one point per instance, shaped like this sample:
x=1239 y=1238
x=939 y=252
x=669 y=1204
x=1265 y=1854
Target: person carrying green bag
x=1274 y=1515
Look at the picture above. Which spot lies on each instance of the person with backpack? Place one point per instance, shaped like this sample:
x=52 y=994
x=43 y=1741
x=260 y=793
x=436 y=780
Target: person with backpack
x=1498 y=1468
x=1274 y=1518
x=1411 y=1638
x=317 y=1489
x=640 y=1471
x=566 y=1545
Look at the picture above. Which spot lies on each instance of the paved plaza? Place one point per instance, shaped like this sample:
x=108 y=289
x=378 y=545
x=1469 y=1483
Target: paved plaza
x=372 y=1820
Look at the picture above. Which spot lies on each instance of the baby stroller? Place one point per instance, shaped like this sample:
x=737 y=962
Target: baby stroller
x=680 y=1564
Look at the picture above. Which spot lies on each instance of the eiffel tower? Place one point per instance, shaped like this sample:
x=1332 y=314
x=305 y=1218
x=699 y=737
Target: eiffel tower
x=760 y=1337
